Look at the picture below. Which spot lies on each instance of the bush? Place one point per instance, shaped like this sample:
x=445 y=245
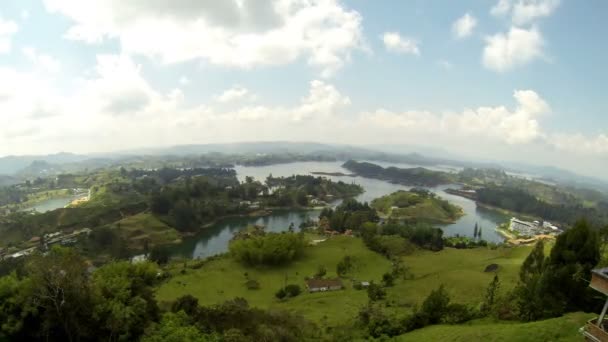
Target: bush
x=186 y=303
x=375 y=292
x=292 y=290
x=252 y=284
x=388 y=280
x=457 y=313
x=281 y=294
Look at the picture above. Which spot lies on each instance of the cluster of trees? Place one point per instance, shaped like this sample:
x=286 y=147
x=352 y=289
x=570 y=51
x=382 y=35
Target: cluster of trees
x=294 y=190
x=350 y=214
x=519 y=200
x=233 y=320
x=58 y=297
x=268 y=248
x=550 y=286
x=395 y=239
x=435 y=309
x=413 y=176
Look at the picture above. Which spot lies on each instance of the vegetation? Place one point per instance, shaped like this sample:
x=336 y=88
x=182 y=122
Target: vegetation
x=521 y=201
x=415 y=176
x=417 y=205
x=267 y=248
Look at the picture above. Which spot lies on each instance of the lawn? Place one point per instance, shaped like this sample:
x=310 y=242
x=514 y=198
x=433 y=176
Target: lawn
x=461 y=270
x=565 y=328
x=223 y=278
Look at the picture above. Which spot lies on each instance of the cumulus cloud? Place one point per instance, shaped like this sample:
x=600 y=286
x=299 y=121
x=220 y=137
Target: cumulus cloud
x=501 y=8
x=494 y=124
x=241 y=34
x=463 y=26
x=7 y=29
x=517 y=47
x=234 y=94
x=525 y=11
x=393 y=41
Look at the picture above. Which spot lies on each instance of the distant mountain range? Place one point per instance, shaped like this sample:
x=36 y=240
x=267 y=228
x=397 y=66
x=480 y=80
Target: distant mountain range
x=29 y=166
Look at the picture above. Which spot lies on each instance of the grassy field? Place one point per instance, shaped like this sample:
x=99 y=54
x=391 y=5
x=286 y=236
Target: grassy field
x=557 y=329
x=222 y=279
x=462 y=271
x=140 y=227
x=410 y=205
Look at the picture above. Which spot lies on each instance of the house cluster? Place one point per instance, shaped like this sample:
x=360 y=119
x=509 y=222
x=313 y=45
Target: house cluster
x=47 y=240
x=532 y=228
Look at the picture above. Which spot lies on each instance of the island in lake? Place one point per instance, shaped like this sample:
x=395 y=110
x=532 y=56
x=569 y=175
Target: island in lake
x=418 y=205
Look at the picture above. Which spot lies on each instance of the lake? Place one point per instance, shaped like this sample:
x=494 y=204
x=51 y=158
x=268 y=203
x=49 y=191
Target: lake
x=51 y=204
x=215 y=239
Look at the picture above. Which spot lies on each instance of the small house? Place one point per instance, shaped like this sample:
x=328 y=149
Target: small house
x=322 y=285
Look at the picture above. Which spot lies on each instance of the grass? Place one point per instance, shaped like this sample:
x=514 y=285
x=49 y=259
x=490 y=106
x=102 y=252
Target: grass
x=565 y=328
x=223 y=279
x=461 y=270
x=409 y=205
x=142 y=226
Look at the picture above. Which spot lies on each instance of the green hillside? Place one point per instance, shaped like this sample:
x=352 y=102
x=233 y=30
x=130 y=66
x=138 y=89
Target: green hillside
x=417 y=205
x=565 y=328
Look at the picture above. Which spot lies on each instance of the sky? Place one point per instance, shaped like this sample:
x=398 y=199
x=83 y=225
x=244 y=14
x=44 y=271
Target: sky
x=513 y=80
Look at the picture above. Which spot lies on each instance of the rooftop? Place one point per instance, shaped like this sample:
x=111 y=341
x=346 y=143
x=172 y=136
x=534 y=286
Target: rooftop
x=316 y=283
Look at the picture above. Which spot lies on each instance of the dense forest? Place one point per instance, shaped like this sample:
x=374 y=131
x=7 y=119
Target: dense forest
x=523 y=202
x=414 y=176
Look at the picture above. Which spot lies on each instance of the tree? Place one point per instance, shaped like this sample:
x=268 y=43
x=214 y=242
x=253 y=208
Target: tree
x=176 y=327
x=321 y=271
x=490 y=297
x=388 y=280
x=530 y=303
x=375 y=292
x=61 y=292
x=568 y=272
x=344 y=266
x=534 y=263
x=475 y=231
x=186 y=303
x=436 y=304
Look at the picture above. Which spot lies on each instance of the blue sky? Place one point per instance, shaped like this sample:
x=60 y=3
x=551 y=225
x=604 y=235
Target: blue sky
x=519 y=80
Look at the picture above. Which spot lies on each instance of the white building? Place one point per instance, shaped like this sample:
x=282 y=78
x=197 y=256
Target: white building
x=522 y=227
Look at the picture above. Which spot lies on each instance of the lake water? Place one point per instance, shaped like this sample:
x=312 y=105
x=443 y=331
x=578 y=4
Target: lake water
x=51 y=204
x=215 y=239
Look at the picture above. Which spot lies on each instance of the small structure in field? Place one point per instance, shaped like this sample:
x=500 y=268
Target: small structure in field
x=596 y=329
x=322 y=285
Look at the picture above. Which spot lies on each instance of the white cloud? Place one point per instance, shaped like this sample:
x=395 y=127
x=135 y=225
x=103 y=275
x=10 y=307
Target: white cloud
x=7 y=29
x=493 y=124
x=463 y=27
x=242 y=34
x=517 y=47
x=525 y=11
x=394 y=42
x=235 y=93
x=580 y=144
x=44 y=61
x=501 y=8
